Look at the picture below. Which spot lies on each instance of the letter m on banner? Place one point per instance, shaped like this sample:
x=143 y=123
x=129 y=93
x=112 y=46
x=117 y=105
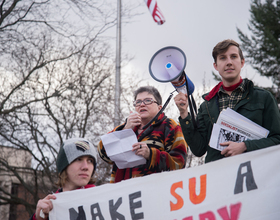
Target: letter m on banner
x=155 y=11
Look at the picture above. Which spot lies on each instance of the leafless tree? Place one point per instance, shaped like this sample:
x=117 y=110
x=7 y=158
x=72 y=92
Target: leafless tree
x=56 y=82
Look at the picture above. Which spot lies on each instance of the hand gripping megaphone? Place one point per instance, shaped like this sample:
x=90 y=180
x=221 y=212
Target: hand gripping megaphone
x=167 y=65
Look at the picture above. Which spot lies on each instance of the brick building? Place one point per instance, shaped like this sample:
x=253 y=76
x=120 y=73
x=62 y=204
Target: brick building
x=10 y=185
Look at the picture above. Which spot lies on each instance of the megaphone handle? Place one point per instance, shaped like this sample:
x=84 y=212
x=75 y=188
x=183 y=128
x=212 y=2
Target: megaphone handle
x=195 y=109
x=194 y=105
x=191 y=103
x=192 y=113
x=160 y=111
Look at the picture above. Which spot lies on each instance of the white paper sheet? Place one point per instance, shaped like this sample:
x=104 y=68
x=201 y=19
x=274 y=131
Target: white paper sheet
x=118 y=146
x=232 y=126
x=244 y=124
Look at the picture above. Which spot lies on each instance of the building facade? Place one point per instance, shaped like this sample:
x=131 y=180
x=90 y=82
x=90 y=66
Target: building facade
x=11 y=188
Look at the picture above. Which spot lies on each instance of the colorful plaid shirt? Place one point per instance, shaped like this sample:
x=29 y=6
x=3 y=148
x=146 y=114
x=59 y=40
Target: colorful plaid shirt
x=226 y=100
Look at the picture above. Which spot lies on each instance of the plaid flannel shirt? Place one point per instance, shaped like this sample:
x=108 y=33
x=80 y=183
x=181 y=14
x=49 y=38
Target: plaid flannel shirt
x=230 y=101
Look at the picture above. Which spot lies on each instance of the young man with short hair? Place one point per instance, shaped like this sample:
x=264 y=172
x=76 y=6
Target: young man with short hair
x=236 y=93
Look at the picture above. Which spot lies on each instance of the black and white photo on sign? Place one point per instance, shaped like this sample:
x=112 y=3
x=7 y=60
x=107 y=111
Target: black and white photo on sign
x=227 y=135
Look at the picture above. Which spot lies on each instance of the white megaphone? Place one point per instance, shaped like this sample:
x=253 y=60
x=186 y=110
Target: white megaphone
x=167 y=65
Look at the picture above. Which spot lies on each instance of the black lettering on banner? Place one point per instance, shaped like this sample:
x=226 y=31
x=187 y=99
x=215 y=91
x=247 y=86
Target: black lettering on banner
x=113 y=209
x=77 y=216
x=250 y=182
x=98 y=213
x=135 y=205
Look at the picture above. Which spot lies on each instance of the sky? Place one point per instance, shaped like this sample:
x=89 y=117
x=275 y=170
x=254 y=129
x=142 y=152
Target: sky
x=194 y=26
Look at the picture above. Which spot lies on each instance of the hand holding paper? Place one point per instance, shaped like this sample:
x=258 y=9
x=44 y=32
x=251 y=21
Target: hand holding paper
x=118 y=146
x=233 y=148
x=231 y=126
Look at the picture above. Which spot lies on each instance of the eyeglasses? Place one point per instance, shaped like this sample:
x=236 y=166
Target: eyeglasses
x=147 y=101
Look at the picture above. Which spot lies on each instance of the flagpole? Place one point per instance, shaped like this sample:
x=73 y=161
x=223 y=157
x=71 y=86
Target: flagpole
x=118 y=67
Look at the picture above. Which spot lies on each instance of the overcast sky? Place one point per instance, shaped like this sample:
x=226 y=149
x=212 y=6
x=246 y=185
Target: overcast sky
x=195 y=26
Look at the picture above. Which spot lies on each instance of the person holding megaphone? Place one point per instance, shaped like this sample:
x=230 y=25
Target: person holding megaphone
x=239 y=94
x=160 y=139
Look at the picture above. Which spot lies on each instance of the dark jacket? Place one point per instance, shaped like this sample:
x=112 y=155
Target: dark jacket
x=168 y=150
x=256 y=104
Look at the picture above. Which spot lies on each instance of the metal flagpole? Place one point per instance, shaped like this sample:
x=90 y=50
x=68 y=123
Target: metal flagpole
x=118 y=66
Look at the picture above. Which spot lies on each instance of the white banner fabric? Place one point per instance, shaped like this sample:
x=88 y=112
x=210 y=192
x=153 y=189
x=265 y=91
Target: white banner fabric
x=241 y=187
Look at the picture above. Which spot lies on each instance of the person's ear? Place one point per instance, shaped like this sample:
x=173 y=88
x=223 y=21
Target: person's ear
x=242 y=62
x=215 y=66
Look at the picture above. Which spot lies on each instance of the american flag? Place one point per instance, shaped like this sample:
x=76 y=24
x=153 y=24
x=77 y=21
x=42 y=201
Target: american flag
x=155 y=11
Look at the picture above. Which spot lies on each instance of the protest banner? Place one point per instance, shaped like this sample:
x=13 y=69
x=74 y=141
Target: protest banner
x=241 y=187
